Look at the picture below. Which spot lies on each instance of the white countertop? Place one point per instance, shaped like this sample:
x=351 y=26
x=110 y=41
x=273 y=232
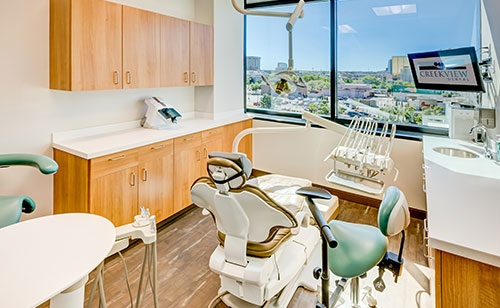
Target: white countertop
x=463 y=201
x=99 y=141
x=44 y=256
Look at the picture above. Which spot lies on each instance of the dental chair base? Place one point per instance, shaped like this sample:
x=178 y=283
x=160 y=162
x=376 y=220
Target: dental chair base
x=277 y=274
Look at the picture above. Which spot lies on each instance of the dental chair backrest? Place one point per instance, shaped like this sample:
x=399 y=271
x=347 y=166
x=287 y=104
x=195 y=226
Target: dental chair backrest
x=393 y=215
x=243 y=213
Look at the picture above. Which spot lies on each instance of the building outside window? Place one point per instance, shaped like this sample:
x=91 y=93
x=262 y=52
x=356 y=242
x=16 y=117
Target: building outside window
x=370 y=45
x=267 y=53
x=374 y=39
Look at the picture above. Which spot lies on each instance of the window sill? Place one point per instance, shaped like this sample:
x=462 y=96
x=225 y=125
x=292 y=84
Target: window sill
x=406 y=135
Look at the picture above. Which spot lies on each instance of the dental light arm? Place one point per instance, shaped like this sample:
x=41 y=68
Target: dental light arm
x=297 y=13
x=43 y=163
x=307 y=116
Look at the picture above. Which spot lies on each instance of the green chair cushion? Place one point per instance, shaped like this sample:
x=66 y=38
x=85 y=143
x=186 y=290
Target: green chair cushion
x=45 y=164
x=12 y=207
x=360 y=248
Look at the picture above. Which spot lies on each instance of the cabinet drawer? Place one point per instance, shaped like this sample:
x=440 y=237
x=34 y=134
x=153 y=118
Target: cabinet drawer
x=114 y=162
x=188 y=141
x=155 y=150
x=212 y=133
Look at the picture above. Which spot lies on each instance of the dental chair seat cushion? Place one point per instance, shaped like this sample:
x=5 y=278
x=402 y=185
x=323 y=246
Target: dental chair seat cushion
x=12 y=207
x=263 y=249
x=360 y=248
x=282 y=190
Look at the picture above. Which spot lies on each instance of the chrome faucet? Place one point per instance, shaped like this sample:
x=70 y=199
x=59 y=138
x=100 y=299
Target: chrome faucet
x=483 y=139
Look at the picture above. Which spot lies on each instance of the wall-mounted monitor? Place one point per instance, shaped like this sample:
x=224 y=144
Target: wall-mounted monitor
x=449 y=70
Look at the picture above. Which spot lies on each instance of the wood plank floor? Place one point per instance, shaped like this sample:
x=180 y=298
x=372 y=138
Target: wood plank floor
x=184 y=248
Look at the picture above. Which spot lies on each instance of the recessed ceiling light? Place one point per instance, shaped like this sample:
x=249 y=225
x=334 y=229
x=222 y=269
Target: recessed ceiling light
x=346 y=29
x=395 y=9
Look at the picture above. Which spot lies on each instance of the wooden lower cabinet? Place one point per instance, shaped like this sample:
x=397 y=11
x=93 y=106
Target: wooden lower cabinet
x=156 y=179
x=465 y=283
x=114 y=195
x=158 y=176
x=187 y=168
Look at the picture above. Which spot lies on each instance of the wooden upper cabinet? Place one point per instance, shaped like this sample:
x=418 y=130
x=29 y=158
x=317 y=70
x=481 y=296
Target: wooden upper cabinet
x=85 y=45
x=201 y=54
x=174 y=52
x=141 y=48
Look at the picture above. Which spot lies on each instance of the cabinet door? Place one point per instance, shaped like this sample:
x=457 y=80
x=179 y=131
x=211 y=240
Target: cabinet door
x=201 y=55
x=213 y=141
x=141 y=48
x=174 y=52
x=156 y=186
x=187 y=168
x=246 y=144
x=114 y=196
x=466 y=283
x=96 y=45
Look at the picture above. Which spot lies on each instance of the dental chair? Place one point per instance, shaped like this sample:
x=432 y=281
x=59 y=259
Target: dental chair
x=11 y=207
x=350 y=250
x=267 y=248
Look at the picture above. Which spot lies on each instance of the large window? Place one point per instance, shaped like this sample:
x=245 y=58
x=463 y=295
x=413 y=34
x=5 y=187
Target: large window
x=267 y=55
x=370 y=44
x=373 y=40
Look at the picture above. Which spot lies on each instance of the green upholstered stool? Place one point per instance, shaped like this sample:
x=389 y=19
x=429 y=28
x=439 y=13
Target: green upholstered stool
x=360 y=248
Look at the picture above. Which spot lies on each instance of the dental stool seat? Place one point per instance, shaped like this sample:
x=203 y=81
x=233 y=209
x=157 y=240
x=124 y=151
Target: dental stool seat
x=360 y=248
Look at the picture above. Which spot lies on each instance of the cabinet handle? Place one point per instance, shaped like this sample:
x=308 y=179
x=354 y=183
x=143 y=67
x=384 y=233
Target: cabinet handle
x=206 y=153
x=194 y=77
x=129 y=77
x=199 y=155
x=145 y=175
x=159 y=147
x=116 y=75
x=132 y=180
x=186 y=77
x=189 y=139
x=213 y=132
x=117 y=158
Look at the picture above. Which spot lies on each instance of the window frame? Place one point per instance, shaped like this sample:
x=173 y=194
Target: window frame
x=334 y=116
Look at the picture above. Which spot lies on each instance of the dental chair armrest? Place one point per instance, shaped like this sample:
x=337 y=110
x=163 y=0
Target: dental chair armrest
x=302 y=221
x=43 y=163
x=312 y=193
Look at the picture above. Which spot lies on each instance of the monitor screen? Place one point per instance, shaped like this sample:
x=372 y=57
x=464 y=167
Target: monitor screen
x=449 y=70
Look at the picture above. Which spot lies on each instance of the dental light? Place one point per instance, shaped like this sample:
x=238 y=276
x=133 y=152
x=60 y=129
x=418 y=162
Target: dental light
x=288 y=81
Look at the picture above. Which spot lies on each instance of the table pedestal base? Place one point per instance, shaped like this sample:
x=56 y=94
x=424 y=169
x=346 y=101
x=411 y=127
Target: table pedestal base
x=72 y=297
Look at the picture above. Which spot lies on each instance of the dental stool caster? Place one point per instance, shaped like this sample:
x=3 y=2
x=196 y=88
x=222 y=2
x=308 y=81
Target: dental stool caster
x=350 y=250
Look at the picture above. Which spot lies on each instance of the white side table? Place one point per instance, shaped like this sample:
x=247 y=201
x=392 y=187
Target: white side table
x=50 y=258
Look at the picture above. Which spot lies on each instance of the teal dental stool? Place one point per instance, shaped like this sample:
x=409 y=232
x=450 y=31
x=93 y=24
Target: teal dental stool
x=350 y=250
x=11 y=207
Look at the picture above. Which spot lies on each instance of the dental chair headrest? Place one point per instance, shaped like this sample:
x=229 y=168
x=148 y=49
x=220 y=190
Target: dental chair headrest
x=229 y=170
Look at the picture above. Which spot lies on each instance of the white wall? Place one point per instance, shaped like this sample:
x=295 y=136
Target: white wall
x=30 y=112
x=490 y=35
x=228 y=57
x=302 y=155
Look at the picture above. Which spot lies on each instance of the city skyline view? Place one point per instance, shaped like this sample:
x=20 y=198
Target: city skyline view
x=374 y=78
x=364 y=23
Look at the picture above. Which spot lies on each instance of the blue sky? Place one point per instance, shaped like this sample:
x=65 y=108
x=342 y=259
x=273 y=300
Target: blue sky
x=369 y=32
